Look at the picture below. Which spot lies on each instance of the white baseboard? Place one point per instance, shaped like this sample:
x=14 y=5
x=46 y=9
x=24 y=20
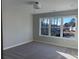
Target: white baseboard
x=17 y=45
x=55 y=44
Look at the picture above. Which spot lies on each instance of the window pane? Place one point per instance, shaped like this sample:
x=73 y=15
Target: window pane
x=44 y=26
x=55 y=32
x=55 y=26
x=56 y=22
x=44 y=31
x=69 y=27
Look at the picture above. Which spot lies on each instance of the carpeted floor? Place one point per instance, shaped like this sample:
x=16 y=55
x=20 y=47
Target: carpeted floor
x=37 y=50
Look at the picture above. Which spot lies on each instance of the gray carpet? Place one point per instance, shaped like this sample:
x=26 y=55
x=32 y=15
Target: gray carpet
x=37 y=50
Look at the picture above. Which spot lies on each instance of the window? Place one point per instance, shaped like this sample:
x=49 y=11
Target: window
x=55 y=26
x=44 y=26
x=64 y=26
x=69 y=26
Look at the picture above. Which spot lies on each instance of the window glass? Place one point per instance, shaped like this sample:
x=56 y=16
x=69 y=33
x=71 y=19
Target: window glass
x=69 y=27
x=56 y=22
x=44 y=26
x=55 y=26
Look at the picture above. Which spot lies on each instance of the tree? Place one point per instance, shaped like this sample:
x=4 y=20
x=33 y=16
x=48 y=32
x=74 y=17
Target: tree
x=72 y=23
x=66 y=25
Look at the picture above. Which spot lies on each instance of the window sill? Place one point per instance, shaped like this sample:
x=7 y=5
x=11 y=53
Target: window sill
x=58 y=37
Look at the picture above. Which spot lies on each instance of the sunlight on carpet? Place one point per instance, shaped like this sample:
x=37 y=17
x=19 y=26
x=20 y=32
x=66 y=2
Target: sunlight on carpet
x=66 y=55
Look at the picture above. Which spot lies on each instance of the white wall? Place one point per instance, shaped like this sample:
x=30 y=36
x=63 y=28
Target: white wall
x=56 y=5
x=17 y=23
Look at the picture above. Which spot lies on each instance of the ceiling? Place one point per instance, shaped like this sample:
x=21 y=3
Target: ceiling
x=47 y=5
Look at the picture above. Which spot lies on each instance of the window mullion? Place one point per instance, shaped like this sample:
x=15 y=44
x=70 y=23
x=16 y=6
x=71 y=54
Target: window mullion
x=40 y=26
x=61 y=27
x=76 y=32
x=49 y=26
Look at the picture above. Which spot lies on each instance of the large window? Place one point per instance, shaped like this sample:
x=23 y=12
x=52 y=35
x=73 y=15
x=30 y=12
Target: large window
x=64 y=26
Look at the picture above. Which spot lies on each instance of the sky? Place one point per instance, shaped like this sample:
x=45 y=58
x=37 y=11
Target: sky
x=67 y=20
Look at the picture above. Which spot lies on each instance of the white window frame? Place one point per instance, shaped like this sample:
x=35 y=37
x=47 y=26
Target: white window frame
x=61 y=28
